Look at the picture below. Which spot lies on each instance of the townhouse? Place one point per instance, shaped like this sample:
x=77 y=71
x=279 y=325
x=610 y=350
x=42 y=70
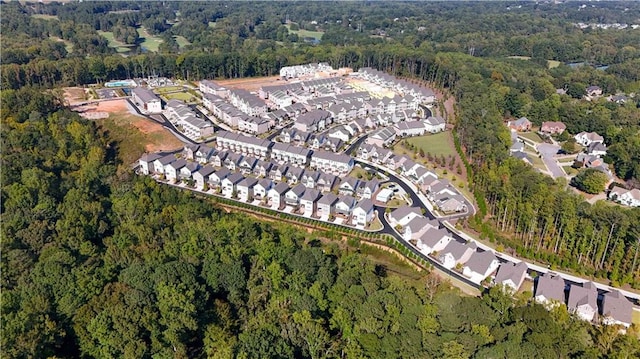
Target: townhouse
x=243 y=144
x=284 y=153
x=213 y=88
x=247 y=102
x=312 y=121
x=245 y=189
x=146 y=163
x=331 y=162
x=276 y=195
x=434 y=124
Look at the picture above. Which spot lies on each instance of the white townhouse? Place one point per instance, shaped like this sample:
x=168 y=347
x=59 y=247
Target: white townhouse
x=172 y=170
x=456 y=253
x=230 y=184
x=480 y=266
x=309 y=201
x=382 y=137
x=284 y=153
x=216 y=178
x=292 y=197
x=363 y=213
x=146 y=163
x=412 y=128
x=254 y=125
x=245 y=188
x=247 y=102
x=195 y=128
x=434 y=124
x=331 y=162
x=202 y=176
x=213 y=88
x=416 y=227
x=243 y=144
x=276 y=195
x=345 y=206
x=433 y=240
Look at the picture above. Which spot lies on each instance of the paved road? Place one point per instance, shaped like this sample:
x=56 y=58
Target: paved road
x=350 y=148
x=548 y=153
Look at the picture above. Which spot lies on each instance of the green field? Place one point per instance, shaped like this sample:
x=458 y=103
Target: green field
x=531 y=136
x=306 y=33
x=183 y=96
x=68 y=45
x=44 y=17
x=570 y=170
x=148 y=41
x=438 y=144
x=120 y=46
x=182 y=41
x=163 y=90
x=550 y=63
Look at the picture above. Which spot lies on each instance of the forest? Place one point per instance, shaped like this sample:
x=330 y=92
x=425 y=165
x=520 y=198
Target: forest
x=98 y=262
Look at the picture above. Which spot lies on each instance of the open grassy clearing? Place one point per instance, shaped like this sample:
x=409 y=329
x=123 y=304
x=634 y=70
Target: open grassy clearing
x=120 y=46
x=306 y=33
x=148 y=41
x=635 y=316
x=182 y=41
x=182 y=96
x=44 y=17
x=212 y=24
x=531 y=136
x=68 y=45
x=163 y=90
x=570 y=171
x=550 y=63
x=438 y=144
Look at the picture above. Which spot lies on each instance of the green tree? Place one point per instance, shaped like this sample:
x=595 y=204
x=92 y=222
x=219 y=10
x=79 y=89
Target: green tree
x=590 y=180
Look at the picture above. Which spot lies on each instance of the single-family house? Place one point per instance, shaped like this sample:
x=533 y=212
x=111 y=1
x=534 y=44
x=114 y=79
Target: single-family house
x=326 y=182
x=326 y=205
x=310 y=179
x=187 y=171
x=553 y=127
x=448 y=203
x=348 y=186
x=146 y=163
x=247 y=164
x=216 y=178
x=549 y=290
x=583 y=300
x=433 y=240
x=363 y=213
x=344 y=206
x=278 y=172
x=511 y=275
x=218 y=158
x=480 y=266
x=245 y=189
x=625 y=197
x=230 y=184
x=276 y=195
x=293 y=175
x=435 y=124
x=160 y=163
x=593 y=91
x=233 y=160
x=172 y=170
x=421 y=175
x=261 y=188
x=521 y=125
x=616 y=309
x=201 y=176
x=203 y=154
x=368 y=188
x=309 y=201
x=292 y=197
x=416 y=227
x=596 y=149
x=587 y=138
x=403 y=215
x=262 y=169
x=456 y=253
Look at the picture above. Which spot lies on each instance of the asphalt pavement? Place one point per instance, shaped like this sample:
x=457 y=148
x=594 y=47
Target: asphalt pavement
x=548 y=152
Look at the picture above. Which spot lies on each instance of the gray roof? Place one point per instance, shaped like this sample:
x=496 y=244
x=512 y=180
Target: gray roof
x=223 y=173
x=510 y=271
x=235 y=178
x=265 y=183
x=328 y=199
x=457 y=249
x=332 y=156
x=617 y=306
x=366 y=205
x=403 y=211
x=248 y=97
x=145 y=95
x=281 y=188
x=433 y=235
x=551 y=287
x=299 y=189
x=351 y=181
x=418 y=223
x=348 y=200
x=149 y=157
x=372 y=184
x=248 y=182
x=410 y=125
x=206 y=170
x=166 y=159
x=178 y=164
x=312 y=117
x=596 y=146
x=384 y=133
x=583 y=294
x=310 y=195
x=434 y=121
x=481 y=261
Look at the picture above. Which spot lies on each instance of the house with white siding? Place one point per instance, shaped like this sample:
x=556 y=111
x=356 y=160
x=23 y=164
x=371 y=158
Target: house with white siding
x=309 y=201
x=261 y=188
x=146 y=163
x=433 y=240
x=583 y=300
x=480 y=266
x=549 y=290
x=146 y=100
x=276 y=195
x=172 y=170
x=511 y=275
x=216 y=178
x=230 y=185
x=456 y=253
x=362 y=213
x=326 y=205
x=202 y=176
x=331 y=162
x=245 y=189
x=625 y=197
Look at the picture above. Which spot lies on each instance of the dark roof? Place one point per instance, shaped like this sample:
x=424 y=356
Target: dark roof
x=510 y=271
x=310 y=195
x=166 y=159
x=351 y=181
x=298 y=189
x=145 y=95
x=265 y=183
x=235 y=178
x=178 y=164
x=149 y=157
x=551 y=287
x=281 y=188
x=457 y=249
x=481 y=261
x=348 y=200
x=418 y=223
x=248 y=182
x=617 y=306
x=206 y=170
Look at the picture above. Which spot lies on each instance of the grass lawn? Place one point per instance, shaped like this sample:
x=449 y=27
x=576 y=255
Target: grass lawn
x=149 y=42
x=358 y=172
x=537 y=161
x=163 y=90
x=375 y=224
x=182 y=41
x=570 y=170
x=183 y=96
x=212 y=24
x=306 y=33
x=553 y=64
x=68 y=45
x=396 y=202
x=118 y=45
x=437 y=144
x=531 y=136
x=635 y=317
x=44 y=17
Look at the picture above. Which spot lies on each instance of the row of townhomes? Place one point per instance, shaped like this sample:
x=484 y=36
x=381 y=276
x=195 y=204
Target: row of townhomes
x=477 y=265
x=584 y=300
x=445 y=197
x=279 y=184
x=185 y=119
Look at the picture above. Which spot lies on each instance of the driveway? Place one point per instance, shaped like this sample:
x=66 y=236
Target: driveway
x=548 y=153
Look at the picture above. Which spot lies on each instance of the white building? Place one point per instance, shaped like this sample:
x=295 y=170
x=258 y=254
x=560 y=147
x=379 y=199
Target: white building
x=433 y=240
x=146 y=100
x=625 y=197
x=583 y=300
x=331 y=162
x=434 y=124
x=363 y=213
x=480 y=266
x=587 y=138
x=456 y=253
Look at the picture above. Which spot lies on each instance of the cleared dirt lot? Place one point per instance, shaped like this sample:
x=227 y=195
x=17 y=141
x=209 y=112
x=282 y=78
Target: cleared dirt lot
x=252 y=83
